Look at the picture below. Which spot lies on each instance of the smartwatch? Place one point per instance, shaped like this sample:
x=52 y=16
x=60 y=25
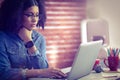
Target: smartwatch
x=29 y=44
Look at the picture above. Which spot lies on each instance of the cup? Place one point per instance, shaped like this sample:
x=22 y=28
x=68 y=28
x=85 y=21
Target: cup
x=112 y=62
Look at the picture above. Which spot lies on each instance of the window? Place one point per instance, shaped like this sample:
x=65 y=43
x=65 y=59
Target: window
x=62 y=30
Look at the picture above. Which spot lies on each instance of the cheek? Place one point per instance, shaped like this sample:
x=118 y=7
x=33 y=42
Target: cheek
x=26 y=22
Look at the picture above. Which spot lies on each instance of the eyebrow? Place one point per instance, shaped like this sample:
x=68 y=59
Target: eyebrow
x=31 y=13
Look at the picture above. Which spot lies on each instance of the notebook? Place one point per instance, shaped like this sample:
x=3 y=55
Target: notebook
x=83 y=62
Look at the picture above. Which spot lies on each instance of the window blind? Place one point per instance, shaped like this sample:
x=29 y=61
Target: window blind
x=62 y=30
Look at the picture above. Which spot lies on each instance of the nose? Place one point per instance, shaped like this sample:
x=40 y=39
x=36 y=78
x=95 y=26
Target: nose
x=34 y=19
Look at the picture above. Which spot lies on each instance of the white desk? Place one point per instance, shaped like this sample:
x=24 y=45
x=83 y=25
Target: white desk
x=101 y=76
x=92 y=76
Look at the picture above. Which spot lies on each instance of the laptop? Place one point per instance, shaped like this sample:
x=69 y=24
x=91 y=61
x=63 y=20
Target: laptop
x=83 y=62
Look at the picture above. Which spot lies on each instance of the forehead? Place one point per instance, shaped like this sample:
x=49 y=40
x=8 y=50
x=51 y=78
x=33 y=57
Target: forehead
x=32 y=9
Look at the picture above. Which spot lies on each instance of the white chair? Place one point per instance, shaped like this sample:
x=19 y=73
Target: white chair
x=95 y=29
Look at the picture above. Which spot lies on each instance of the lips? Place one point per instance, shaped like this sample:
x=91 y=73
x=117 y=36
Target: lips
x=33 y=24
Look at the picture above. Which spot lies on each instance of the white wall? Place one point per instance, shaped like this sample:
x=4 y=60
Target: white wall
x=109 y=10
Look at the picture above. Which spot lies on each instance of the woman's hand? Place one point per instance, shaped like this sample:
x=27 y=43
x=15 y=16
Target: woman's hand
x=25 y=34
x=52 y=73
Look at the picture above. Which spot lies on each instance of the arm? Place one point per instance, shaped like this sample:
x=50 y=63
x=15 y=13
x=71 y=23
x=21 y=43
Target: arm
x=37 y=52
x=38 y=58
x=6 y=72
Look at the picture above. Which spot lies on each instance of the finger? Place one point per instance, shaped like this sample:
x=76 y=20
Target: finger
x=55 y=75
x=62 y=74
x=59 y=73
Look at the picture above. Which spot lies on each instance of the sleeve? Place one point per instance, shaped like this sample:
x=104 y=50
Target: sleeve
x=6 y=72
x=39 y=59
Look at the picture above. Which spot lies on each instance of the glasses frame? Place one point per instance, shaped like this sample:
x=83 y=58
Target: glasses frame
x=39 y=16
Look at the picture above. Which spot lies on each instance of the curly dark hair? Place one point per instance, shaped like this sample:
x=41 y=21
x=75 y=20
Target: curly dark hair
x=11 y=13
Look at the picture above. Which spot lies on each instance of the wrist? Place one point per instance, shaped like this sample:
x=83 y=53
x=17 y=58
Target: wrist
x=29 y=44
x=33 y=50
x=30 y=73
x=24 y=73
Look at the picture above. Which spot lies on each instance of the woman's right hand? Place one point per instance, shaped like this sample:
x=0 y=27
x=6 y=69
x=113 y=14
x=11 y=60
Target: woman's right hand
x=52 y=73
x=25 y=34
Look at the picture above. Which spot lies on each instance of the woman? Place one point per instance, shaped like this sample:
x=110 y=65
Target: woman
x=22 y=49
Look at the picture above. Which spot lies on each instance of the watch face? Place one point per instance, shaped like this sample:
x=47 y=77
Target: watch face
x=29 y=44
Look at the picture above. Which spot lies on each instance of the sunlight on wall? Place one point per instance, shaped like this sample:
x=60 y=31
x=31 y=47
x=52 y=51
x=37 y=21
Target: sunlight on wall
x=62 y=30
x=53 y=56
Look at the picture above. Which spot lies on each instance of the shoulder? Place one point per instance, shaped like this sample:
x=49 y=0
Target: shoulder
x=2 y=35
x=7 y=36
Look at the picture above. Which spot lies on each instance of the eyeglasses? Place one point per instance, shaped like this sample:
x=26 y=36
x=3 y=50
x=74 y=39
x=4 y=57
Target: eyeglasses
x=31 y=15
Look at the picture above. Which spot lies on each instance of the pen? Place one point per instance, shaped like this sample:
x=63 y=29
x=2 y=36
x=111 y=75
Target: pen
x=111 y=52
x=110 y=76
x=108 y=52
x=117 y=52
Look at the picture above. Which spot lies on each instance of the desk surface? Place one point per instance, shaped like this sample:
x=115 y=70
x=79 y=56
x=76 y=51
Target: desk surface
x=92 y=76
x=101 y=76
